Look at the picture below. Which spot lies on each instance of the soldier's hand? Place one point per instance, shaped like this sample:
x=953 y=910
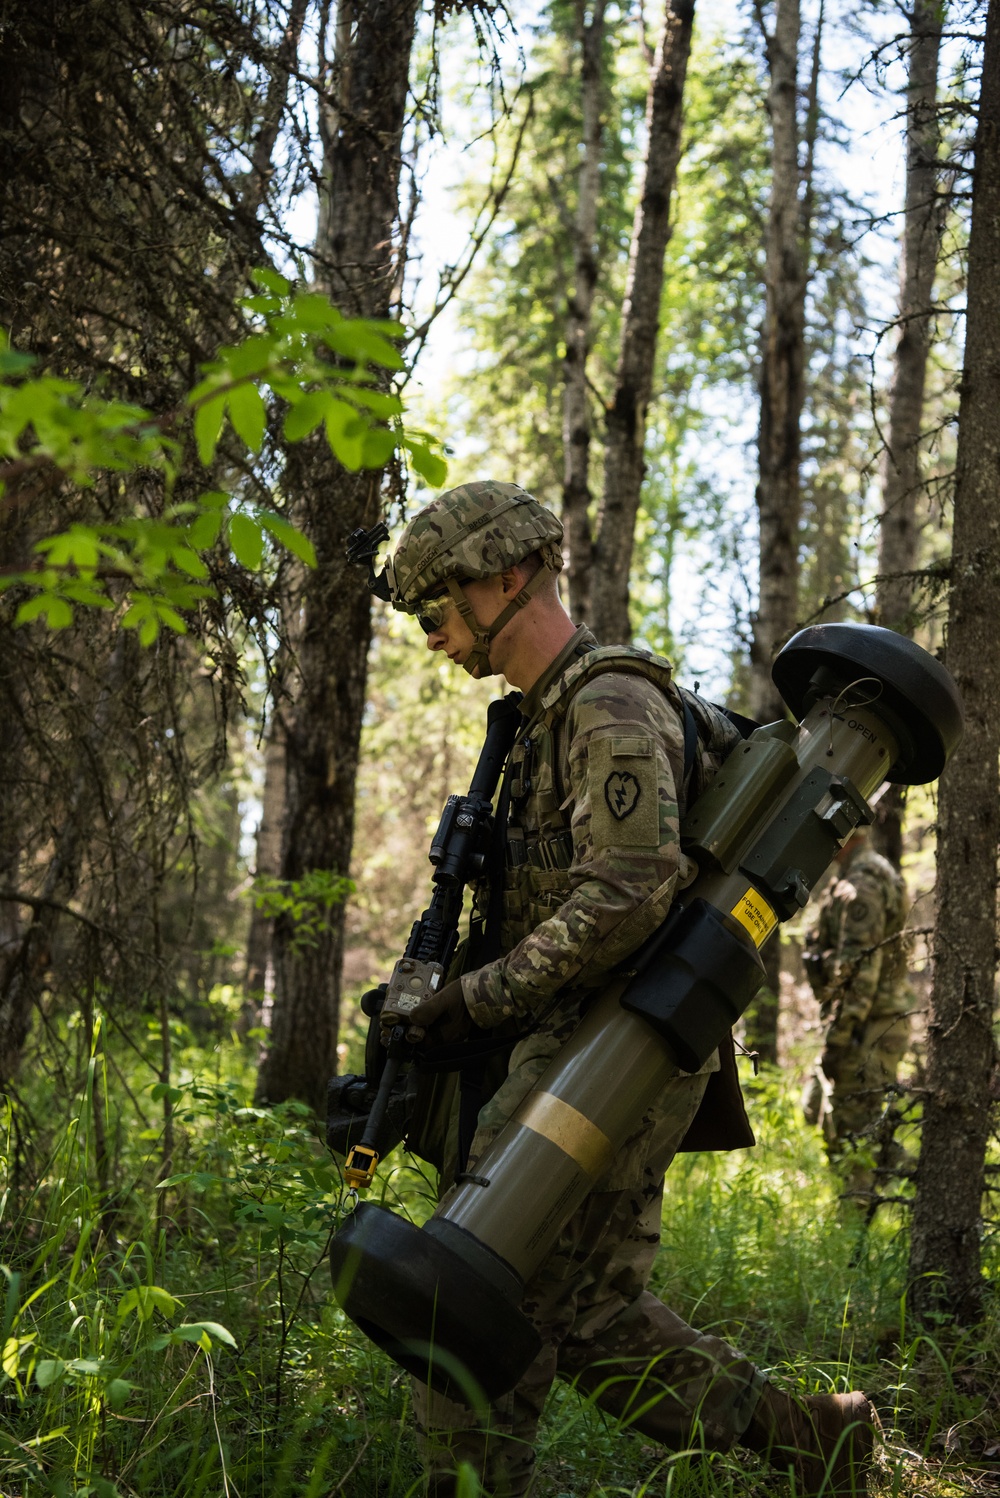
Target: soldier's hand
x=441 y=1019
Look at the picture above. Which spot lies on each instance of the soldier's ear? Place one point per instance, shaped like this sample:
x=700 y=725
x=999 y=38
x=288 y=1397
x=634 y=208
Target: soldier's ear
x=513 y=580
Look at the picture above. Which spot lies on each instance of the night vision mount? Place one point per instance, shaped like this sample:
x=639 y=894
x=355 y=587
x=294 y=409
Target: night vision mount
x=362 y=550
x=444 y=1300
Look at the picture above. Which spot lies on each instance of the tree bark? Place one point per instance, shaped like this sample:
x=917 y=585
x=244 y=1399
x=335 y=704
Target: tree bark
x=357 y=264
x=26 y=963
x=782 y=387
x=576 y=397
x=782 y=396
x=945 y=1263
x=625 y=439
x=902 y=486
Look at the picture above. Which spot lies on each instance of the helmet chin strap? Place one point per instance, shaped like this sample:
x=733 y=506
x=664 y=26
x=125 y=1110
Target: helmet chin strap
x=478 y=661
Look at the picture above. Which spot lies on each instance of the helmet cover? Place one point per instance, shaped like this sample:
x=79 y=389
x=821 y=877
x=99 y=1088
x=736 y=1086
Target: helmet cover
x=475 y=531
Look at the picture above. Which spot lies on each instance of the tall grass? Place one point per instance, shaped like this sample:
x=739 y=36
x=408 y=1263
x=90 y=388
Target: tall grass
x=177 y=1337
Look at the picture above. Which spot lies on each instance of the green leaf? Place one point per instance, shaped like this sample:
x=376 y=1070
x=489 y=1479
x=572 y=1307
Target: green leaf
x=430 y=466
x=10 y=1354
x=357 y=340
x=248 y=416
x=48 y=1370
x=202 y=1333
x=247 y=541
x=345 y=433
x=270 y=280
x=163 y=1089
x=143 y=1300
x=118 y=1391
x=58 y=613
x=218 y=1332
x=378 y=403
x=169 y=617
x=312 y=312
x=207 y=426
x=290 y=537
x=13 y=362
x=252 y=356
x=188 y=560
x=203 y=532
x=377 y=448
x=141 y=615
x=306 y=415
x=78 y=591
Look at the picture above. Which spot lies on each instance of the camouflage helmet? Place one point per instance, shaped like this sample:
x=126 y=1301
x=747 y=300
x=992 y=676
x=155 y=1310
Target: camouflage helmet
x=474 y=531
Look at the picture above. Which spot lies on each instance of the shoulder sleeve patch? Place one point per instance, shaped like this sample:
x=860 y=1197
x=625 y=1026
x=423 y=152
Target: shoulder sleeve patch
x=624 y=792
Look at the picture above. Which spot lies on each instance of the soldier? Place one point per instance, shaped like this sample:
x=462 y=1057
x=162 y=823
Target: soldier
x=856 y=958
x=593 y=859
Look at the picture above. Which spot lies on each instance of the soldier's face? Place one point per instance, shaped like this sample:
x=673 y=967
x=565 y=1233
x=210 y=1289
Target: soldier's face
x=452 y=634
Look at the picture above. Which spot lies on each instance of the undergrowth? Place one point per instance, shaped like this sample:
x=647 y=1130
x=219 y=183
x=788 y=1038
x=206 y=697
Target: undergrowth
x=168 y=1330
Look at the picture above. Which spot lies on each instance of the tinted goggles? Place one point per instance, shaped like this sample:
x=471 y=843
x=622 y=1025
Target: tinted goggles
x=431 y=612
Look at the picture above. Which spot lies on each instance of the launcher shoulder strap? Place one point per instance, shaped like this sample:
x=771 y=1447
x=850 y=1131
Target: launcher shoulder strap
x=630 y=661
x=601 y=661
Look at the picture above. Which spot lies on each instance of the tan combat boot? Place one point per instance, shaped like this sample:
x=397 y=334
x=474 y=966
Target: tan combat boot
x=825 y=1439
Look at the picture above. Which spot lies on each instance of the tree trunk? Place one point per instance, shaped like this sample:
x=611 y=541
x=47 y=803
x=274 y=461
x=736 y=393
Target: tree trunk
x=901 y=480
x=576 y=397
x=357 y=264
x=26 y=963
x=782 y=396
x=624 y=465
x=782 y=388
x=267 y=862
x=947 y=1217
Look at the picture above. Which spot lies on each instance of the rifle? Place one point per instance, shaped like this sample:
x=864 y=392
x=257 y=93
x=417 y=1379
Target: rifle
x=367 y=1115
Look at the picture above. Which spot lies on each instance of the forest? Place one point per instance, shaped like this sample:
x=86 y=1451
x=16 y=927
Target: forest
x=719 y=286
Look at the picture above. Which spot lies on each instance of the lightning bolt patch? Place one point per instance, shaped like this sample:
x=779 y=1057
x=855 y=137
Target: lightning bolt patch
x=621 y=792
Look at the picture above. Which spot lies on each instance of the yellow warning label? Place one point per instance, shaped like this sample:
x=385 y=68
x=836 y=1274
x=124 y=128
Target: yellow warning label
x=755 y=915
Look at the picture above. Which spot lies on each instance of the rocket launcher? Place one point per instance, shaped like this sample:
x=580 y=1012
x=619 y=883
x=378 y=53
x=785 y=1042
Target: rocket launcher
x=444 y=1300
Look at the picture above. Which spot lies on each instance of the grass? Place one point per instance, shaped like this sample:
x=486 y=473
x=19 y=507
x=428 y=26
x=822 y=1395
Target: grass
x=176 y=1337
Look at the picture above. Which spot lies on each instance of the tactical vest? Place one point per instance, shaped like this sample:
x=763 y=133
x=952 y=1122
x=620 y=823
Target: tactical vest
x=824 y=943
x=539 y=843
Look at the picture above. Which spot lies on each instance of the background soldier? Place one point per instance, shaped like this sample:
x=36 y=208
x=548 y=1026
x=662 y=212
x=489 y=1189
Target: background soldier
x=856 y=955
x=592 y=861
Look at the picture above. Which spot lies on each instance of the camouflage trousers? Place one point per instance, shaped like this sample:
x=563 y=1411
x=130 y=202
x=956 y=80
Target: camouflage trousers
x=602 y=1329
x=859 y=1099
x=848 y=1110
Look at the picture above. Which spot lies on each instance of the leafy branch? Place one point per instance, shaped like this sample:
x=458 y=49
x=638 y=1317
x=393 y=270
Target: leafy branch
x=328 y=371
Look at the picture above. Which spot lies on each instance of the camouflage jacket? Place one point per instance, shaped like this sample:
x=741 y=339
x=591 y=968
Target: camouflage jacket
x=594 y=853
x=857 y=951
